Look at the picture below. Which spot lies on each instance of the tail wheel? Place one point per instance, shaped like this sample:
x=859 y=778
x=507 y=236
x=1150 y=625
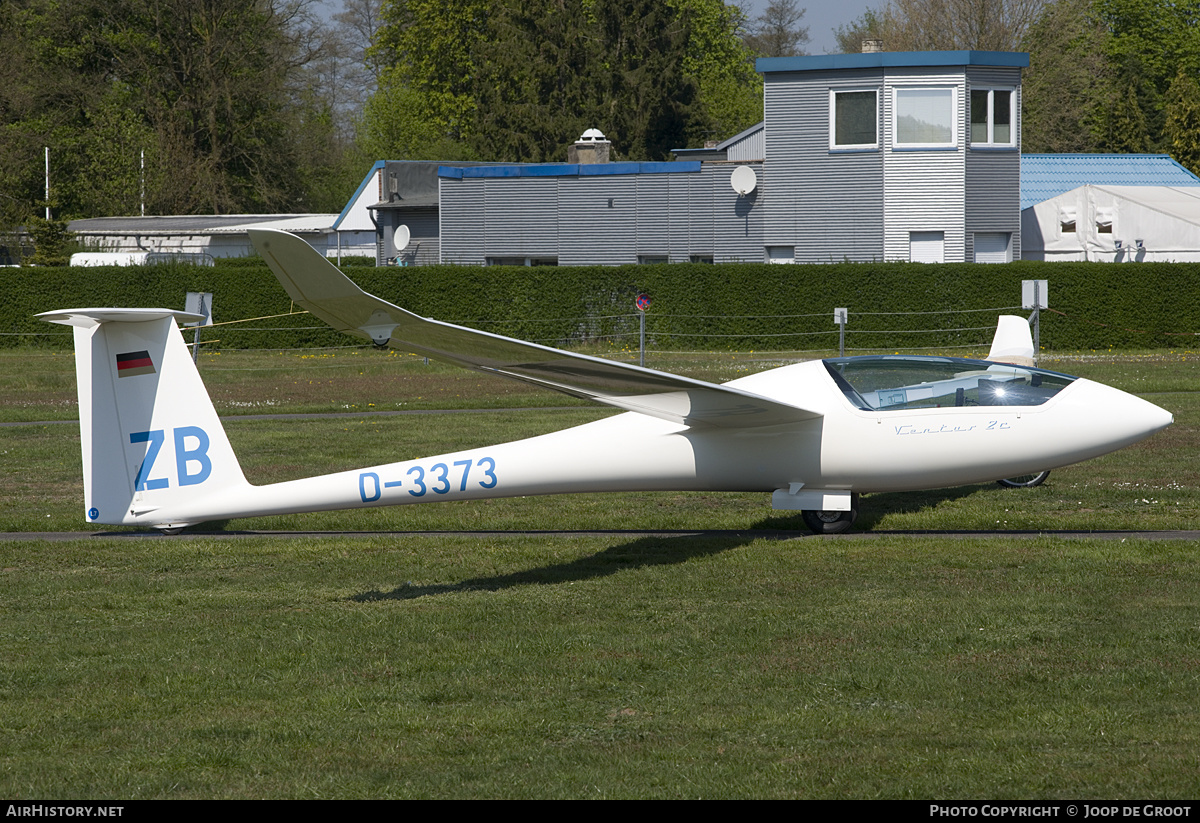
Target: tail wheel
x=831 y=522
x=1024 y=481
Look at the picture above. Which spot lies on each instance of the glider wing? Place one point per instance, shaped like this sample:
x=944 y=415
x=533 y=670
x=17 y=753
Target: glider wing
x=317 y=285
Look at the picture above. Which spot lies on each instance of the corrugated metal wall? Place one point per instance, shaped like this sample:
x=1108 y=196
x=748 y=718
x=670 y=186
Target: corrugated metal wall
x=597 y=220
x=423 y=227
x=993 y=176
x=924 y=190
x=422 y=248
x=520 y=220
x=738 y=221
x=827 y=204
x=654 y=215
x=750 y=148
x=604 y=219
x=462 y=211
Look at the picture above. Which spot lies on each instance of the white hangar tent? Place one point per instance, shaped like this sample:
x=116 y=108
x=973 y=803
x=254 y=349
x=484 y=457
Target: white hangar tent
x=1115 y=224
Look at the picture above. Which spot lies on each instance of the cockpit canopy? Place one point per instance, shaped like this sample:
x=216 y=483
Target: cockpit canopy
x=887 y=382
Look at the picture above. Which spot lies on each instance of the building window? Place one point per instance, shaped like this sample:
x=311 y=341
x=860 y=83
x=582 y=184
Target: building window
x=522 y=261
x=924 y=118
x=853 y=119
x=652 y=259
x=701 y=258
x=993 y=247
x=781 y=254
x=1066 y=220
x=992 y=117
x=1104 y=221
x=927 y=247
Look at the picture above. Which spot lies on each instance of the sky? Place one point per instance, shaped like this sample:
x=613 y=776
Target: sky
x=822 y=17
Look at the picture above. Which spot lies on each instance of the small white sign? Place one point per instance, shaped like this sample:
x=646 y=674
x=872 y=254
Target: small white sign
x=1028 y=300
x=199 y=302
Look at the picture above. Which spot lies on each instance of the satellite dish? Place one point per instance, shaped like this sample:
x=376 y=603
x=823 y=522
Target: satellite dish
x=743 y=180
x=402 y=237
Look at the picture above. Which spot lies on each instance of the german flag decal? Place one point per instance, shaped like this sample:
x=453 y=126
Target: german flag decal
x=134 y=362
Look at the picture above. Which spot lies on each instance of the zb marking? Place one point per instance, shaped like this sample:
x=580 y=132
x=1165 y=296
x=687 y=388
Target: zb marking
x=184 y=457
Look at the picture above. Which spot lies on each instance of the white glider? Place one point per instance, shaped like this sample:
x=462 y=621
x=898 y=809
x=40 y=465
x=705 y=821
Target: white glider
x=812 y=434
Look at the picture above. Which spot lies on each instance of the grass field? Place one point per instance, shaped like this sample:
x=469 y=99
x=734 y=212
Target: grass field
x=387 y=664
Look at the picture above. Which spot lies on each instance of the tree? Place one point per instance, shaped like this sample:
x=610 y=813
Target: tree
x=220 y=84
x=1122 y=127
x=1067 y=78
x=650 y=99
x=520 y=80
x=430 y=49
x=49 y=82
x=777 y=31
x=717 y=55
x=940 y=25
x=1111 y=75
x=217 y=95
x=872 y=25
x=51 y=241
x=1183 y=120
x=1149 y=43
x=359 y=23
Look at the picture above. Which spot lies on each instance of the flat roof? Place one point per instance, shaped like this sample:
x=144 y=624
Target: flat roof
x=570 y=169
x=892 y=59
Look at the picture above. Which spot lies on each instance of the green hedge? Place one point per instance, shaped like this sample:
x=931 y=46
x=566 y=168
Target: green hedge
x=734 y=307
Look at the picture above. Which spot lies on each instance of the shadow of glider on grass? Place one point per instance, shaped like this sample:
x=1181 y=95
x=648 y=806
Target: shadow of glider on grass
x=813 y=434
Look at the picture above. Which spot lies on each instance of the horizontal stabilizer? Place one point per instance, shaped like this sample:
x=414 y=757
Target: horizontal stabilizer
x=317 y=285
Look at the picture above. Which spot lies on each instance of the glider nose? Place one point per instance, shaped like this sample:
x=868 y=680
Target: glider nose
x=1160 y=418
x=1143 y=417
x=1126 y=418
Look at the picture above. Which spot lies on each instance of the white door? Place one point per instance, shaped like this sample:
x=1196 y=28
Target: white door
x=781 y=254
x=927 y=247
x=993 y=247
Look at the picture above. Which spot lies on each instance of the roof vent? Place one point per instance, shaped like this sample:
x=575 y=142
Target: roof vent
x=591 y=147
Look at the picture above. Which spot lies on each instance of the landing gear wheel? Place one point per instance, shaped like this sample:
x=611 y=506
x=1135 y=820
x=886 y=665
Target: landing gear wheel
x=171 y=531
x=831 y=522
x=1024 y=481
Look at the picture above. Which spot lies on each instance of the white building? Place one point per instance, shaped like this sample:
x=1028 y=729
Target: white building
x=1115 y=224
x=224 y=235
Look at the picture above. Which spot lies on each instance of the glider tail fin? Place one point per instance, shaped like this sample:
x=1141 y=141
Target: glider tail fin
x=152 y=442
x=1013 y=342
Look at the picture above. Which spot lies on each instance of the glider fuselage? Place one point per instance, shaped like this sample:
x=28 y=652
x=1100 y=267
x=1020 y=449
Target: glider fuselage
x=846 y=449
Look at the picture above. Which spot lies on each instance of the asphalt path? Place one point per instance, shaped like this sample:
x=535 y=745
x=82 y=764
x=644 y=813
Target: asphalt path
x=745 y=534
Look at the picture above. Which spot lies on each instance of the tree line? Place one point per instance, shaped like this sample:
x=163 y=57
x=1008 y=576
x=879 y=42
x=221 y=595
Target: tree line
x=188 y=106
x=232 y=106
x=224 y=106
